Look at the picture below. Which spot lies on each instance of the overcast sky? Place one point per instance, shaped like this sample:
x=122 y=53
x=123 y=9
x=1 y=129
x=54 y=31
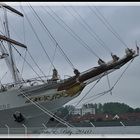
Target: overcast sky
x=124 y=18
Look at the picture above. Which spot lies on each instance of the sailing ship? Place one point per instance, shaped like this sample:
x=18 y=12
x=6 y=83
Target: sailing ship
x=33 y=102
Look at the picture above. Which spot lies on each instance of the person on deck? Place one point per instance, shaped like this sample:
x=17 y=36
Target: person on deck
x=101 y=62
x=76 y=72
x=129 y=51
x=115 y=57
x=55 y=75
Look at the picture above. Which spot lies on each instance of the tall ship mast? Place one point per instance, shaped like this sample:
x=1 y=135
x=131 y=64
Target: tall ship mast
x=33 y=102
x=12 y=65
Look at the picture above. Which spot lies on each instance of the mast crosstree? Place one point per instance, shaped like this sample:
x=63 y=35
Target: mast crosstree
x=11 y=63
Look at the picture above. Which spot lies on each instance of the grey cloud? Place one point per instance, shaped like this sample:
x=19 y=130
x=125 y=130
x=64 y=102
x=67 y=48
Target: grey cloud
x=125 y=21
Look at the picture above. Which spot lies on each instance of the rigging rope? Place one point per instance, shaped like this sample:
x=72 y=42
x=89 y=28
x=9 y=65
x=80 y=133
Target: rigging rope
x=46 y=111
x=14 y=31
x=110 y=90
x=83 y=97
x=33 y=58
x=36 y=63
x=38 y=38
x=68 y=60
x=2 y=25
x=123 y=73
x=99 y=94
x=1 y=32
x=67 y=30
x=23 y=25
x=3 y=76
x=28 y=63
x=110 y=29
x=28 y=50
x=89 y=90
x=23 y=62
x=52 y=60
x=109 y=83
x=110 y=26
x=93 y=33
x=83 y=43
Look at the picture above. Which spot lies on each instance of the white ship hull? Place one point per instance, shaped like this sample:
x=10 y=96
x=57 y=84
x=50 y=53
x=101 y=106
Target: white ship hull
x=34 y=117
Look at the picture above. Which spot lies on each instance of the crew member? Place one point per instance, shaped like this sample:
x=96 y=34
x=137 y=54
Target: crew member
x=101 y=62
x=115 y=57
x=129 y=51
x=76 y=72
x=55 y=75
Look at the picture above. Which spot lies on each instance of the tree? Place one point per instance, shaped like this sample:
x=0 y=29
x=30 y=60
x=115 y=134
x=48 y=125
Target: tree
x=137 y=110
x=130 y=110
x=99 y=108
x=116 y=108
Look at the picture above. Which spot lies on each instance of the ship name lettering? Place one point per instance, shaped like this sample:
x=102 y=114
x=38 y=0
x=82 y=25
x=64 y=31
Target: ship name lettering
x=47 y=98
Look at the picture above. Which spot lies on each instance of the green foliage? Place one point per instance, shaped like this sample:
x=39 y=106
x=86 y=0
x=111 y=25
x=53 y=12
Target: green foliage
x=137 y=110
x=108 y=108
x=116 y=108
